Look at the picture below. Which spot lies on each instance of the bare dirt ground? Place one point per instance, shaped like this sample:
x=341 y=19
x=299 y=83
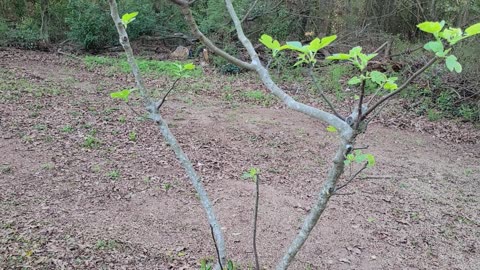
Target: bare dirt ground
x=87 y=184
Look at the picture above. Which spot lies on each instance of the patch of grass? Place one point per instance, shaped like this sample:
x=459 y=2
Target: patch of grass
x=91 y=142
x=6 y=169
x=40 y=127
x=149 y=67
x=167 y=186
x=433 y=115
x=47 y=166
x=67 y=129
x=106 y=244
x=258 y=97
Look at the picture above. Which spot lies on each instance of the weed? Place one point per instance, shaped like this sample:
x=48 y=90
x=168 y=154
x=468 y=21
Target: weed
x=40 y=127
x=132 y=136
x=106 y=245
x=47 y=166
x=96 y=168
x=91 y=142
x=167 y=186
x=5 y=169
x=27 y=139
x=433 y=115
x=113 y=175
x=122 y=119
x=67 y=129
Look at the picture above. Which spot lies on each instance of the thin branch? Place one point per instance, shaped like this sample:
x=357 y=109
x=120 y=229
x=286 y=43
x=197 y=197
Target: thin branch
x=315 y=82
x=166 y=94
x=408 y=51
x=187 y=14
x=352 y=177
x=216 y=247
x=133 y=110
x=255 y=217
x=402 y=87
x=248 y=12
x=381 y=47
x=360 y=101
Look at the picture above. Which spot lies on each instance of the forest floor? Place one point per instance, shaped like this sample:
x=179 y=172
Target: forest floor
x=85 y=183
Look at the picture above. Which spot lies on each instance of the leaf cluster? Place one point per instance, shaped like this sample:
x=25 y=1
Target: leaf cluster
x=448 y=36
x=306 y=53
x=358 y=157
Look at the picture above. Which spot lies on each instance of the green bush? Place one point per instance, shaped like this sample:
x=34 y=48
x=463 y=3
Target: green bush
x=90 y=24
x=26 y=34
x=92 y=27
x=3 y=32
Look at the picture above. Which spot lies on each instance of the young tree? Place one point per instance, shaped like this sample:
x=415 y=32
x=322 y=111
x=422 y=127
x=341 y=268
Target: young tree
x=348 y=127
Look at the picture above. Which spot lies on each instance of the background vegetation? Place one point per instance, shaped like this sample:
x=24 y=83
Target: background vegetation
x=37 y=24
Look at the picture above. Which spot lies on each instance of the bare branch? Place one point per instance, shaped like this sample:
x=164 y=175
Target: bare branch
x=187 y=14
x=352 y=177
x=360 y=101
x=344 y=129
x=402 y=87
x=166 y=94
x=168 y=136
x=248 y=11
x=255 y=217
x=310 y=72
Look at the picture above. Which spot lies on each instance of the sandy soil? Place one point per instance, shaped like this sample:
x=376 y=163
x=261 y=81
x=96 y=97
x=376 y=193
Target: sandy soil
x=87 y=184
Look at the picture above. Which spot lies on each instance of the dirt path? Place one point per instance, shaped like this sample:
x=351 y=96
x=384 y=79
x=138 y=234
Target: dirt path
x=85 y=183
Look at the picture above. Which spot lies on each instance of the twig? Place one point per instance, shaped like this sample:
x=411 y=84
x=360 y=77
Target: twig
x=168 y=92
x=255 y=217
x=381 y=47
x=402 y=87
x=310 y=72
x=352 y=177
x=361 y=147
x=69 y=55
x=216 y=247
x=133 y=110
x=408 y=51
x=249 y=10
x=360 y=101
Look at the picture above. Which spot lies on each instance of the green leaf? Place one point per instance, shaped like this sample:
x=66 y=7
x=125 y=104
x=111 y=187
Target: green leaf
x=473 y=30
x=431 y=27
x=331 y=129
x=452 y=35
x=371 y=56
x=339 y=56
x=453 y=64
x=189 y=66
x=269 y=42
x=315 y=45
x=128 y=18
x=378 y=77
x=356 y=97
x=390 y=86
x=434 y=46
x=327 y=40
x=370 y=160
x=355 y=51
x=350 y=157
x=122 y=94
x=230 y=265
x=297 y=46
x=354 y=80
